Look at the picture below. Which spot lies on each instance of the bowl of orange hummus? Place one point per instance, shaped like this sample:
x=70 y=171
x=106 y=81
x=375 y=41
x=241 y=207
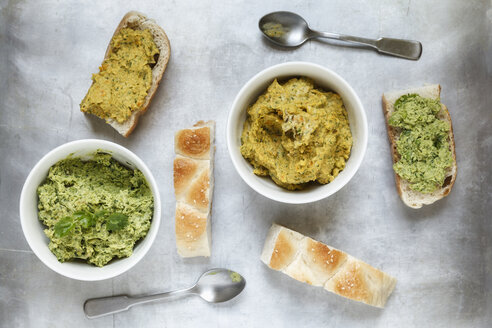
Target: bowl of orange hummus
x=297 y=132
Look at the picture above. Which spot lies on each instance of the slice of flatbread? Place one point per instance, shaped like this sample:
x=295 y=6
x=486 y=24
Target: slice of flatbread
x=193 y=188
x=317 y=264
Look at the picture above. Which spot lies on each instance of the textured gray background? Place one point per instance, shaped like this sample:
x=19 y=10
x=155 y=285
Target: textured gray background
x=440 y=254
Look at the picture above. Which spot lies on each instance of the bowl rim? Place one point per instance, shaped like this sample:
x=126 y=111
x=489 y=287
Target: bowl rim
x=294 y=65
x=145 y=243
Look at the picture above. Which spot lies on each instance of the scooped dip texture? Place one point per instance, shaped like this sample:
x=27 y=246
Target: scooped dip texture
x=94 y=210
x=423 y=145
x=124 y=78
x=297 y=134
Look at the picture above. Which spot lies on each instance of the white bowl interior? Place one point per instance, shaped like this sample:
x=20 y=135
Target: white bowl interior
x=323 y=78
x=33 y=228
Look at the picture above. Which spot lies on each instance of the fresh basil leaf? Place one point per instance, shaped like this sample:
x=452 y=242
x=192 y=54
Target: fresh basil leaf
x=116 y=221
x=85 y=219
x=100 y=214
x=64 y=226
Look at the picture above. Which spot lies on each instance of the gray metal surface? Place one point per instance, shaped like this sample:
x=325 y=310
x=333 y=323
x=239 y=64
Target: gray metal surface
x=440 y=254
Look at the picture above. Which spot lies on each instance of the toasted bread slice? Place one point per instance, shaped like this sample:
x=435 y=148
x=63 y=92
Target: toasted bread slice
x=318 y=264
x=193 y=188
x=411 y=197
x=138 y=21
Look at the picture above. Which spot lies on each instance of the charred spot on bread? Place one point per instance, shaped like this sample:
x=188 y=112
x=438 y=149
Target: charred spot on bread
x=447 y=181
x=156 y=59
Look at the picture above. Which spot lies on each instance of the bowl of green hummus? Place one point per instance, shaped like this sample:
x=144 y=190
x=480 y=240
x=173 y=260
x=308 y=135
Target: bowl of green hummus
x=297 y=132
x=90 y=209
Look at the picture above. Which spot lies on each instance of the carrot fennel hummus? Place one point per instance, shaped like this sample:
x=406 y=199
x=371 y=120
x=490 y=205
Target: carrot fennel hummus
x=297 y=134
x=124 y=78
x=94 y=210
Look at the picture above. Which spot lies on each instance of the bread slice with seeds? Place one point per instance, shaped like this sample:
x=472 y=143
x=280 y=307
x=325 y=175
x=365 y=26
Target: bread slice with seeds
x=317 y=264
x=193 y=188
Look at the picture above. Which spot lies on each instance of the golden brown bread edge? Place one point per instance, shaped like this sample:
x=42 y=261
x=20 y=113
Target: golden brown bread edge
x=136 y=20
x=409 y=197
x=317 y=264
x=193 y=186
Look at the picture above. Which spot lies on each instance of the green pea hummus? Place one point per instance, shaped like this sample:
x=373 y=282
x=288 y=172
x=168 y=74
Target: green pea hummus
x=94 y=210
x=124 y=78
x=297 y=134
x=423 y=144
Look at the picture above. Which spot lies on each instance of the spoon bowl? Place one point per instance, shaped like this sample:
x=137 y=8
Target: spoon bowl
x=285 y=28
x=219 y=285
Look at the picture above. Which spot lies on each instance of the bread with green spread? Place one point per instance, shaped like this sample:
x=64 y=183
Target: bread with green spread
x=412 y=196
x=106 y=98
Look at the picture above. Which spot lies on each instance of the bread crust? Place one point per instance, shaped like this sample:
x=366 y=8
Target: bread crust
x=186 y=171
x=191 y=231
x=136 y=20
x=193 y=187
x=410 y=197
x=317 y=264
x=285 y=250
x=194 y=143
x=361 y=282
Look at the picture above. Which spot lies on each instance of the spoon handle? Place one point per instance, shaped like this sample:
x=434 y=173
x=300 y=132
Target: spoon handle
x=408 y=49
x=99 y=307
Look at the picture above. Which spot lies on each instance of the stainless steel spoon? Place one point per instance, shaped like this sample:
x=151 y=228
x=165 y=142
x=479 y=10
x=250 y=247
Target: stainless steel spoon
x=214 y=286
x=291 y=30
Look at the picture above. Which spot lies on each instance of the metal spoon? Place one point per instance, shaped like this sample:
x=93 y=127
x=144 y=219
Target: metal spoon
x=214 y=286
x=291 y=30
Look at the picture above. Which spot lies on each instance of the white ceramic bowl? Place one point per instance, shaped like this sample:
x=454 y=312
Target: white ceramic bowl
x=33 y=228
x=327 y=80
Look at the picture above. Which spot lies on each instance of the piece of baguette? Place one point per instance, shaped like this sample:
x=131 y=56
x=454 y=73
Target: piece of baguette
x=138 y=21
x=317 y=264
x=193 y=188
x=411 y=197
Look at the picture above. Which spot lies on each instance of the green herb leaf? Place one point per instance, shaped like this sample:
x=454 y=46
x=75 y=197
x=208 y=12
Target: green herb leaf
x=85 y=219
x=116 y=221
x=100 y=214
x=64 y=226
